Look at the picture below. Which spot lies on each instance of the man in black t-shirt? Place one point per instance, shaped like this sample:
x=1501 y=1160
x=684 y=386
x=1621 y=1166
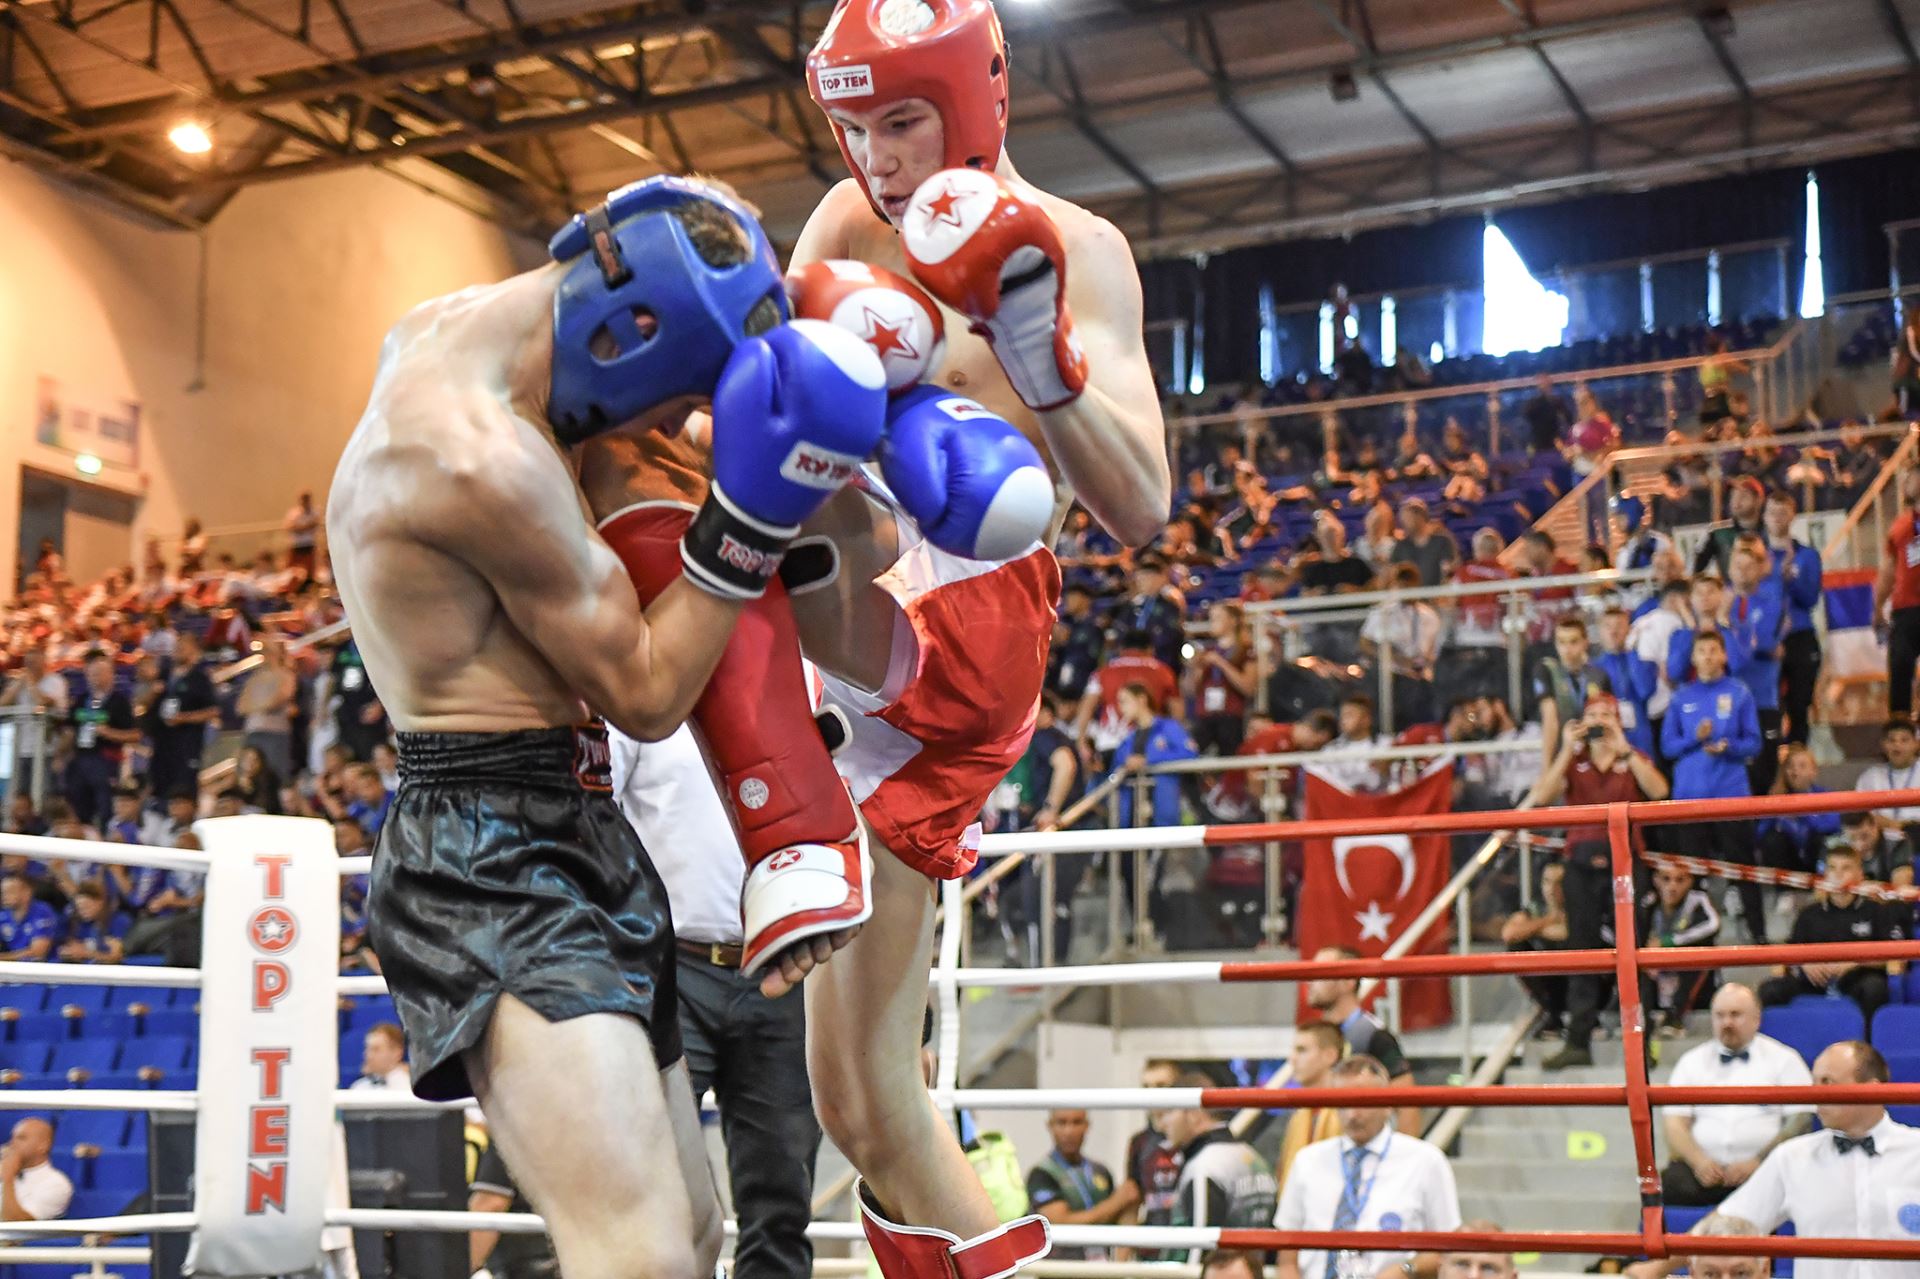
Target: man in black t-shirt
x=178 y=721
x=357 y=713
x=101 y=720
x=1337 y=999
x=1153 y=1166
x=1840 y=916
x=502 y=1255
x=1334 y=568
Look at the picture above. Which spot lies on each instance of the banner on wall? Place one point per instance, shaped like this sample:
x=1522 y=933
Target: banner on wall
x=77 y=422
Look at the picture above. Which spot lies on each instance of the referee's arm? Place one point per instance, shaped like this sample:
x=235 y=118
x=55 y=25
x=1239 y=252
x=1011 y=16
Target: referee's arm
x=480 y=1243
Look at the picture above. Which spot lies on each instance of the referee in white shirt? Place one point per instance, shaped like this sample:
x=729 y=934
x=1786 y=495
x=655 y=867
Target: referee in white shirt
x=750 y=1050
x=1370 y=1178
x=1860 y=1178
x=1715 y=1149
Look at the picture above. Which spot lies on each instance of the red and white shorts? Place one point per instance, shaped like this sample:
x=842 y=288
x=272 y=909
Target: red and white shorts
x=968 y=662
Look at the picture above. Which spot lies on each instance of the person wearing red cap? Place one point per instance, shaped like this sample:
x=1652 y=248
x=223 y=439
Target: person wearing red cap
x=1745 y=498
x=939 y=668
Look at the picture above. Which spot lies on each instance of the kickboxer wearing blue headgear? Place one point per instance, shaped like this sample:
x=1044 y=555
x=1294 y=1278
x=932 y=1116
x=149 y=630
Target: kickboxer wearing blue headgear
x=518 y=920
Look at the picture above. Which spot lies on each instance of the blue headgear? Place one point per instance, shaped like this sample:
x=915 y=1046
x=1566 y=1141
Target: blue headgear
x=634 y=259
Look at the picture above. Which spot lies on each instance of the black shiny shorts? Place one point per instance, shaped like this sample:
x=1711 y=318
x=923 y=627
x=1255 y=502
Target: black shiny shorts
x=505 y=867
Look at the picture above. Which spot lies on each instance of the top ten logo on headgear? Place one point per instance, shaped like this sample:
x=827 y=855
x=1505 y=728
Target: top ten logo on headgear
x=846 y=82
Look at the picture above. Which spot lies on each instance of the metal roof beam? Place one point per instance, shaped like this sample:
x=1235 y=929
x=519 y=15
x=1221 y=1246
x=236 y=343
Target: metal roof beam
x=708 y=95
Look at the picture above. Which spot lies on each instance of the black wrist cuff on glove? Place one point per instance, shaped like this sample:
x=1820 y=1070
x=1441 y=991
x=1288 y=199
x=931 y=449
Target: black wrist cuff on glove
x=728 y=552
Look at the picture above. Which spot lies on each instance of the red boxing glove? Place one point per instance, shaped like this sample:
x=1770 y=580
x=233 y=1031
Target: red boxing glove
x=996 y=258
x=886 y=310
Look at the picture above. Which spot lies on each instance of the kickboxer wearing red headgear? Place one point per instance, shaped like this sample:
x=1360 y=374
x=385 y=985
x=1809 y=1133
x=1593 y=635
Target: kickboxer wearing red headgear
x=937 y=661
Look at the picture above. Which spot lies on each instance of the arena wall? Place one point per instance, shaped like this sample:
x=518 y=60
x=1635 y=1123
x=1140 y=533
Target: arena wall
x=302 y=279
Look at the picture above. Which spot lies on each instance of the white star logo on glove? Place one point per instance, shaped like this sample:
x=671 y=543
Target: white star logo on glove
x=1373 y=922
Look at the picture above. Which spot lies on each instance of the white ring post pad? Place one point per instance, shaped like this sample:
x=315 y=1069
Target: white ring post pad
x=269 y=1055
x=802 y=892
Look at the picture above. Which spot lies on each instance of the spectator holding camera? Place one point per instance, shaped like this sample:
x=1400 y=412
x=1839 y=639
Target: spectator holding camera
x=1594 y=764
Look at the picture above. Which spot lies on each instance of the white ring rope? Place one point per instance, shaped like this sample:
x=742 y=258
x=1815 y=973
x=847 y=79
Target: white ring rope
x=28 y=972
x=91 y=850
x=107 y=1255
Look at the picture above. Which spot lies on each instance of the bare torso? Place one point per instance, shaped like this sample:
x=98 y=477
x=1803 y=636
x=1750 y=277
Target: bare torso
x=437 y=643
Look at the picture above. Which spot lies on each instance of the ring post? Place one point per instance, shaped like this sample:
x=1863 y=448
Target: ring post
x=269 y=1045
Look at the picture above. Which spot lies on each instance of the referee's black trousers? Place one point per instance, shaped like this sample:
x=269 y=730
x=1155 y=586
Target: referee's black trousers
x=752 y=1051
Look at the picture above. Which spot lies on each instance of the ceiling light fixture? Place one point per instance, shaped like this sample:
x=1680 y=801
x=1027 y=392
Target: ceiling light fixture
x=190 y=137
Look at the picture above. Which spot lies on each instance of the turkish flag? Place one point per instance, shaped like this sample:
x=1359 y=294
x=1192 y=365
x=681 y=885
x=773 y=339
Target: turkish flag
x=1364 y=891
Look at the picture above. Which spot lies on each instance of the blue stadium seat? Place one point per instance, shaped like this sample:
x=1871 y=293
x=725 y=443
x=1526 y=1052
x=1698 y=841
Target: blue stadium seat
x=182 y=1023
x=1896 y=1026
x=28 y=999
x=1809 y=1024
x=28 y=1058
x=166 y=1053
x=89 y=998
x=42 y=1028
x=109 y=1025
x=156 y=997
x=1681 y=1220
x=109 y=1202
x=95 y=1056
x=123 y=1171
x=1903 y=1066
x=106 y=1129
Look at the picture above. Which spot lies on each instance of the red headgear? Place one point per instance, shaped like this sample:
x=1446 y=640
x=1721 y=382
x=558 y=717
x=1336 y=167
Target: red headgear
x=957 y=61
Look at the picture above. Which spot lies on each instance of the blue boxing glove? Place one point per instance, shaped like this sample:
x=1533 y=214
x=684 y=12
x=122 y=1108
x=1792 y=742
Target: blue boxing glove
x=974 y=484
x=795 y=412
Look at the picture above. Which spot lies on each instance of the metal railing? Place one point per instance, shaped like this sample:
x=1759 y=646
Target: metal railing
x=1300 y=631
x=1589 y=501
x=1783 y=376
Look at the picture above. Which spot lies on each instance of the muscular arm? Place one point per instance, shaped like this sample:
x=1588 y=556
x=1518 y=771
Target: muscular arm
x=565 y=590
x=1111 y=442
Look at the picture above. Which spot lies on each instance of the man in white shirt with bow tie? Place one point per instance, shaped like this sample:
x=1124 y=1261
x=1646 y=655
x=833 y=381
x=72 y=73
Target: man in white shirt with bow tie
x=1714 y=1149
x=1858 y=1178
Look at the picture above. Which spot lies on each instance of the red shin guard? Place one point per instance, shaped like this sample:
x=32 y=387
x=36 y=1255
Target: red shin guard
x=755 y=719
x=921 y=1252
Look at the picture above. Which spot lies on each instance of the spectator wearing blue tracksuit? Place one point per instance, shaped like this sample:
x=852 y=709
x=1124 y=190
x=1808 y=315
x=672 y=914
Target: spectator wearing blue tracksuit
x=1158 y=739
x=1150 y=739
x=1711 y=733
x=1631 y=684
x=1797 y=567
x=1796 y=841
x=1756 y=625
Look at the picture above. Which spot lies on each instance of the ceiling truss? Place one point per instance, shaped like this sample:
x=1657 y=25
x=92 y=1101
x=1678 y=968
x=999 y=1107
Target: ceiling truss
x=533 y=112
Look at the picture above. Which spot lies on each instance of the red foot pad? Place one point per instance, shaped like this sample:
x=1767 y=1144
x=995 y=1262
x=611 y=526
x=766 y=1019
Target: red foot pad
x=801 y=892
x=921 y=1252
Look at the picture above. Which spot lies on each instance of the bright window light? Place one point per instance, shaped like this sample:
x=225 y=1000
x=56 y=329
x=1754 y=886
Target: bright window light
x=1436 y=353
x=1813 y=284
x=190 y=137
x=1521 y=314
x=1197 y=365
x=1269 y=338
x=1389 y=331
x=1326 y=337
